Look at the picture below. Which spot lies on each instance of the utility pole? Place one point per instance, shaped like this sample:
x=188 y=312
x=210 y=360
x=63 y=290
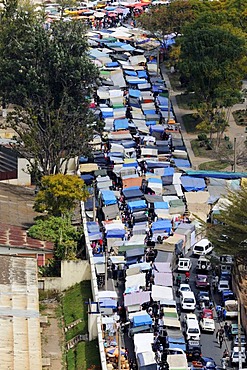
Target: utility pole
x=169 y=106
x=239 y=339
x=158 y=61
x=234 y=154
x=94 y=206
x=119 y=346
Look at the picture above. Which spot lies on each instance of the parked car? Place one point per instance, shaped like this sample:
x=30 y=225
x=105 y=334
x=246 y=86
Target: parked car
x=243 y=341
x=235 y=355
x=227 y=295
x=188 y=301
x=207 y=325
x=184 y=264
x=184 y=288
x=226 y=275
x=234 y=329
x=223 y=285
x=203 y=247
x=207 y=314
x=193 y=350
x=202 y=281
x=192 y=330
x=203 y=297
x=203 y=265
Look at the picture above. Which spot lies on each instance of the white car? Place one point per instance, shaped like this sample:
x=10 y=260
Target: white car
x=188 y=301
x=223 y=285
x=207 y=324
x=235 y=355
x=184 y=288
x=184 y=264
x=192 y=330
x=203 y=247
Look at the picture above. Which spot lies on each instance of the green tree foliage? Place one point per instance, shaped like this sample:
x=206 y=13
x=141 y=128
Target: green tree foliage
x=229 y=233
x=166 y=19
x=213 y=60
x=59 y=194
x=48 y=76
x=53 y=229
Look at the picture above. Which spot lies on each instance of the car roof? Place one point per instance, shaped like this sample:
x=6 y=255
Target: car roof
x=191 y=316
x=201 y=276
x=202 y=243
x=188 y=294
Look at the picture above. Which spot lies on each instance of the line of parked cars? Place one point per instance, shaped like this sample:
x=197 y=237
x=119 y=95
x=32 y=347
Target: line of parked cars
x=193 y=326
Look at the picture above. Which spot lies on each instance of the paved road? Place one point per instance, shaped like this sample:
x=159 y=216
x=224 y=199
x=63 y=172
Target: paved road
x=210 y=346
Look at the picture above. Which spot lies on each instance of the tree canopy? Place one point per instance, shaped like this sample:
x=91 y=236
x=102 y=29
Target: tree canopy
x=48 y=77
x=166 y=19
x=228 y=231
x=213 y=62
x=59 y=194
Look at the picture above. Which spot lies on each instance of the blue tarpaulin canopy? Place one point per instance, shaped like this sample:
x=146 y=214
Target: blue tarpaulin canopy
x=138 y=204
x=131 y=164
x=134 y=93
x=192 y=183
x=87 y=178
x=142 y=320
x=92 y=226
x=162 y=225
x=168 y=171
x=132 y=193
x=153 y=180
x=217 y=174
x=161 y=205
x=108 y=197
x=130 y=73
x=115 y=233
x=181 y=162
x=134 y=252
x=108 y=303
x=112 y=64
x=153 y=164
x=142 y=74
x=121 y=124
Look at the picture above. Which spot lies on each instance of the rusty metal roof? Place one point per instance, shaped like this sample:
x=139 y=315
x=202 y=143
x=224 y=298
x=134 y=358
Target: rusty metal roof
x=14 y=236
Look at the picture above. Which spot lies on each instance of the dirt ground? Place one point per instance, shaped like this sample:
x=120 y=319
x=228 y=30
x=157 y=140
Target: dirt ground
x=52 y=337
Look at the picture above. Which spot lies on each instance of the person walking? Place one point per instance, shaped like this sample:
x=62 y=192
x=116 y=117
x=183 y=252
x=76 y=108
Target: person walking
x=221 y=338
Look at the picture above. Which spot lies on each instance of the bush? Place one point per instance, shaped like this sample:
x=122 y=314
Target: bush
x=202 y=137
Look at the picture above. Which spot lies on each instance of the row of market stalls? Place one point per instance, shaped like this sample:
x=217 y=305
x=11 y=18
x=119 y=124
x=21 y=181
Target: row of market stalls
x=146 y=201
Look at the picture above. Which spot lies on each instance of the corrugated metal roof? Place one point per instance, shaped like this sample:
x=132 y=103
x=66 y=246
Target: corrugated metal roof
x=14 y=236
x=20 y=342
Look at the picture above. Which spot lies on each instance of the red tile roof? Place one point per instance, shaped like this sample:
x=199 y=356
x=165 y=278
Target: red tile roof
x=15 y=236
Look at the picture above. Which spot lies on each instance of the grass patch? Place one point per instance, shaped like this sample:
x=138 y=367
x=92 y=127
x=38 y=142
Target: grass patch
x=213 y=165
x=74 y=307
x=84 y=356
x=202 y=151
x=240 y=117
x=190 y=122
x=185 y=100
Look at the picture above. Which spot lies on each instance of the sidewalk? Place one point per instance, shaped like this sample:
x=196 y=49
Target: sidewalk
x=233 y=131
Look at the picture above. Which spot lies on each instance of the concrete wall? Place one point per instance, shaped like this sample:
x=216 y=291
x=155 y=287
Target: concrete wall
x=72 y=272
x=23 y=177
x=94 y=329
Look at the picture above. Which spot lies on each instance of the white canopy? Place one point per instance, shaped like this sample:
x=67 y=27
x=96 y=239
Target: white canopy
x=108 y=294
x=135 y=280
x=160 y=293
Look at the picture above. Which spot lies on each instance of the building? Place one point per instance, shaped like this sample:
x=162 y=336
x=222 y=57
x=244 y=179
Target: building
x=20 y=340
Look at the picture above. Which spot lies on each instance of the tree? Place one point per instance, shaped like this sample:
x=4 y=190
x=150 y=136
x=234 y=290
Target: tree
x=213 y=60
x=166 y=19
x=59 y=194
x=228 y=232
x=49 y=78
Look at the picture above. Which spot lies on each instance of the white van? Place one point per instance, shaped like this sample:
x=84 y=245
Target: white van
x=204 y=246
x=192 y=329
x=184 y=264
x=188 y=301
